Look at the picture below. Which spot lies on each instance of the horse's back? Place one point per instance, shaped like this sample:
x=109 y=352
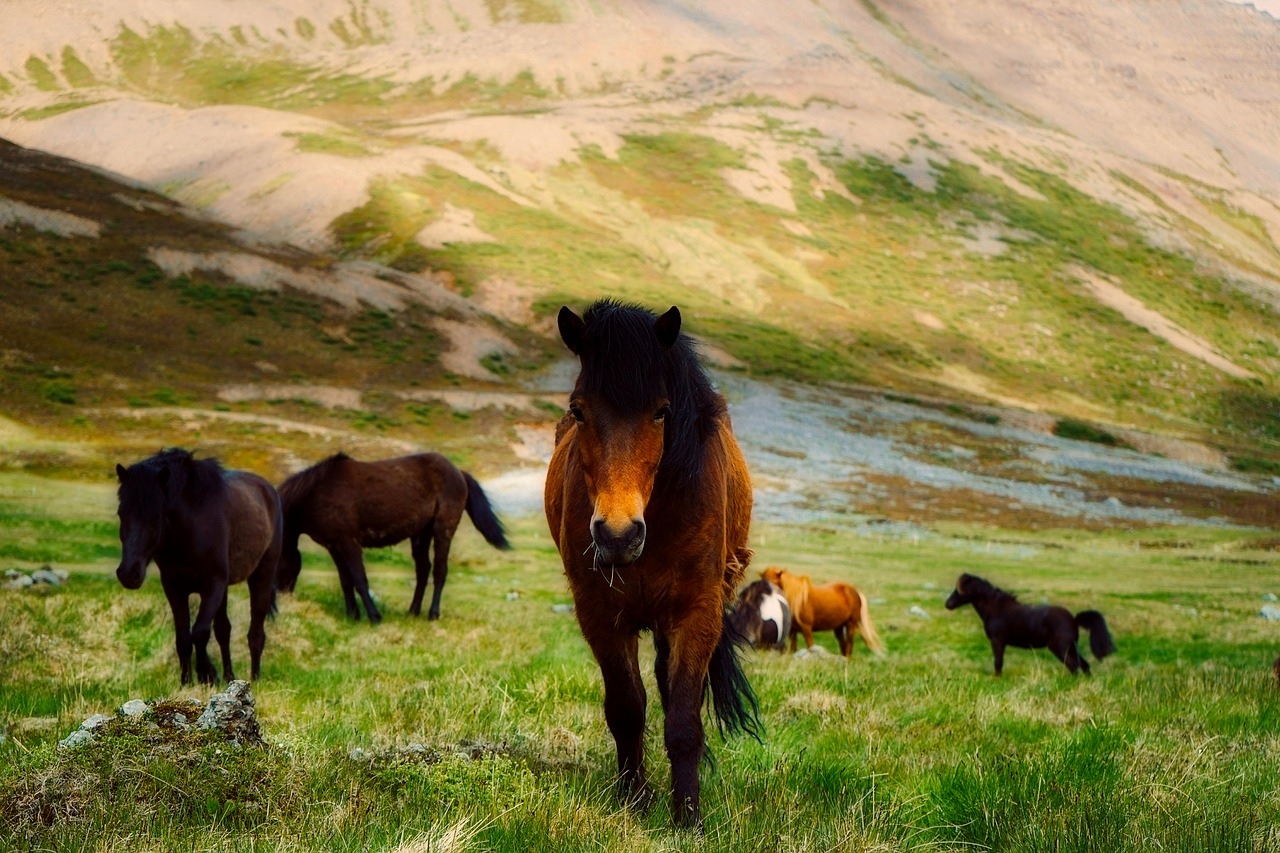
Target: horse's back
x=833 y=605
x=253 y=522
x=384 y=501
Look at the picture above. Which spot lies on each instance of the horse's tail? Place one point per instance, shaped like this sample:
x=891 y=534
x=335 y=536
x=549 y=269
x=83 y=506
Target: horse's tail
x=483 y=516
x=732 y=700
x=866 y=629
x=1099 y=637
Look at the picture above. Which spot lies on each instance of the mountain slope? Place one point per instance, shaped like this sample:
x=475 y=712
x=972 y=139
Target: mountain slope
x=1066 y=211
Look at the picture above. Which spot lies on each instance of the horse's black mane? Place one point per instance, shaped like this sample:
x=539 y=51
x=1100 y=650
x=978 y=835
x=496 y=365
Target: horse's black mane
x=195 y=480
x=976 y=587
x=623 y=362
x=296 y=488
x=753 y=593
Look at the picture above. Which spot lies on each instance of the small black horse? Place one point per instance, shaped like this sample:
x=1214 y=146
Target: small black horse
x=206 y=529
x=1008 y=622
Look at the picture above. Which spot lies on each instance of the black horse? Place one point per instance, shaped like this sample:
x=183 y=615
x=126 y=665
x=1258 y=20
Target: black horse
x=1008 y=622
x=206 y=529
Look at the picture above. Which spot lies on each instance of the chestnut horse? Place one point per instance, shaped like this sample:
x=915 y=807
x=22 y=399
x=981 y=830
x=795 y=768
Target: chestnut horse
x=347 y=506
x=207 y=529
x=1009 y=622
x=649 y=502
x=834 y=607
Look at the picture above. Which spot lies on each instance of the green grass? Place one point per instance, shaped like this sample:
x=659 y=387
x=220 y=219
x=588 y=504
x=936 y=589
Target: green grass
x=1167 y=746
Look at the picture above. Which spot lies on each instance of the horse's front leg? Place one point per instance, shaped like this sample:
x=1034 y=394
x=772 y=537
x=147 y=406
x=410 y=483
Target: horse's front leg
x=212 y=598
x=222 y=632
x=997 y=649
x=177 y=595
x=624 y=708
x=692 y=643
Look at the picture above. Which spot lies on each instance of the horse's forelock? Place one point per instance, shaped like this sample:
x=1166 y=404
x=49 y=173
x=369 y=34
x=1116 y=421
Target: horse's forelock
x=195 y=479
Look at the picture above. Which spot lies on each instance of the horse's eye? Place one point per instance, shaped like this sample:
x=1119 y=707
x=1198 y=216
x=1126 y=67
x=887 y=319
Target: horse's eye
x=576 y=411
x=662 y=413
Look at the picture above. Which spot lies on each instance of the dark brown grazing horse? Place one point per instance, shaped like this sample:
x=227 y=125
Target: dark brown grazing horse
x=207 y=529
x=1009 y=622
x=347 y=506
x=649 y=501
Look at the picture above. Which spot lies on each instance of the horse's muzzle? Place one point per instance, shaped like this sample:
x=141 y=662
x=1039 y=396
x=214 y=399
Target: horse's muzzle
x=953 y=601
x=131 y=577
x=620 y=547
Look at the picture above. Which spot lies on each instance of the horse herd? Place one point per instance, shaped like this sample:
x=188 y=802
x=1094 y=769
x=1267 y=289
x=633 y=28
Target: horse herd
x=647 y=497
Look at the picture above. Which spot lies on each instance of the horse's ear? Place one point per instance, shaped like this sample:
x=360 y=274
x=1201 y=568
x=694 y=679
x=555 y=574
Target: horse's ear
x=571 y=329
x=120 y=471
x=667 y=328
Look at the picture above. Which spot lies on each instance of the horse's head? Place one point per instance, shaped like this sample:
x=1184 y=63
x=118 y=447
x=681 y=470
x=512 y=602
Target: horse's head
x=968 y=589
x=773 y=575
x=622 y=407
x=142 y=496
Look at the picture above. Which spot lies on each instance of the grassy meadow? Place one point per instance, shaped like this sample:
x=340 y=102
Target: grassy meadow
x=1170 y=745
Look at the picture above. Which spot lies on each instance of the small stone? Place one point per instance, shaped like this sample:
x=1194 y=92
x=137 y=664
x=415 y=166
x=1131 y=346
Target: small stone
x=95 y=721
x=134 y=708
x=1113 y=502
x=21 y=581
x=77 y=738
x=49 y=576
x=356 y=754
x=562 y=608
x=179 y=720
x=1269 y=596
x=931 y=586
x=1270 y=612
x=513 y=596
x=879 y=601
x=917 y=610
x=803 y=653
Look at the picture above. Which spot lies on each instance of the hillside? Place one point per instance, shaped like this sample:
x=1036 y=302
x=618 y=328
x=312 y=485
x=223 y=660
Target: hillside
x=355 y=214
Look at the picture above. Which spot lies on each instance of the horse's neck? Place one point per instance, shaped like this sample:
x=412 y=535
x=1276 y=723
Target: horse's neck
x=994 y=606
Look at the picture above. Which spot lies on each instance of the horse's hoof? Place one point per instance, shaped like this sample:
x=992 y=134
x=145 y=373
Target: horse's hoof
x=433 y=615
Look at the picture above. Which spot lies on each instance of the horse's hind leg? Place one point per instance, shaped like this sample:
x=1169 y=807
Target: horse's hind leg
x=421 y=543
x=444 y=538
x=222 y=631
x=844 y=636
x=261 y=605
x=349 y=558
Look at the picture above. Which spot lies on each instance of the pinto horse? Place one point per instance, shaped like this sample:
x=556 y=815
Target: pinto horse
x=762 y=616
x=649 y=502
x=347 y=506
x=1009 y=622
x=206 y=529
x=836 y=607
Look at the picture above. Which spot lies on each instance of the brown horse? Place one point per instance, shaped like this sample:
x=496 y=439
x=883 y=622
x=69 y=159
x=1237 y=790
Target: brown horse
x=835 y=607
x=649 y=501
x=207 y=529
x=347 y=506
